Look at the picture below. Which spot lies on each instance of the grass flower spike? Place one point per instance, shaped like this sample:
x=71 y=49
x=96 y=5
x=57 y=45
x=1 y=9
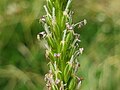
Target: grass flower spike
x=62 y=45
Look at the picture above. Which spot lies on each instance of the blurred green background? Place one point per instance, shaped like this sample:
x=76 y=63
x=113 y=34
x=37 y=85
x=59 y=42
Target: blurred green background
x=22 y=59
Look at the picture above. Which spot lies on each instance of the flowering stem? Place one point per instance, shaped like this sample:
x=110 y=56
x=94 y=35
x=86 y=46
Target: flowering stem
x=62 y=45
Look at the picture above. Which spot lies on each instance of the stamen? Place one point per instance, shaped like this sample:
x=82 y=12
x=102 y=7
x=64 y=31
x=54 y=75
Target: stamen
x=57 y=81
x=41 y=35
x=43 y=19
x=57 y=55
x=69 y=27
x=81 y=50
x=82 y=23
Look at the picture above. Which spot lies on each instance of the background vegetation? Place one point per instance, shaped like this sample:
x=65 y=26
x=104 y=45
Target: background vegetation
x=22 y=59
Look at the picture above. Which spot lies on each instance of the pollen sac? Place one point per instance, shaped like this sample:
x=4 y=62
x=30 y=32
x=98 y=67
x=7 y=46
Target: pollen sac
x=41 y=35
x=57 y=81
x=81 y=50
x=79 y=78
x=69 y=27
x=82 y=23
x=79 y=82
x=43 y=19
x=57 y=55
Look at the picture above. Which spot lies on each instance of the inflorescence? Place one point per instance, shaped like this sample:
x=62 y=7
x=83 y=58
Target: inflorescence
x=62 y=45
